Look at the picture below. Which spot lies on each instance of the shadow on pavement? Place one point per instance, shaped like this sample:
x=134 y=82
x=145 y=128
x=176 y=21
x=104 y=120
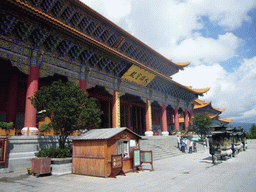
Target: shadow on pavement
x=13 y=179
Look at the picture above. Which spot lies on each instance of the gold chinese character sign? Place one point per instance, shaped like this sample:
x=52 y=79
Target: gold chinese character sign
x=138 y=75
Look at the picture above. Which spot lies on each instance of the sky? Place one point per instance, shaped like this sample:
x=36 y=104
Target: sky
x=217 y=37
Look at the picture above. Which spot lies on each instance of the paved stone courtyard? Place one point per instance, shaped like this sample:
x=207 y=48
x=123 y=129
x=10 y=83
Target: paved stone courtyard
x=188 y=172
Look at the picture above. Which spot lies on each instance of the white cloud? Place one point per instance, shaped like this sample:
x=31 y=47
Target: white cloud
x=163 y=24
x=207 y=50
x=229 y=14
x=114 y=10
x=236 y=92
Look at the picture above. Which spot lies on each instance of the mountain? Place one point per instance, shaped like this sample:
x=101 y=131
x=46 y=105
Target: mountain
x=245 y=126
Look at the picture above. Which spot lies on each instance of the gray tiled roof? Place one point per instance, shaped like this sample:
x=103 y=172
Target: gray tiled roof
x=102 y=133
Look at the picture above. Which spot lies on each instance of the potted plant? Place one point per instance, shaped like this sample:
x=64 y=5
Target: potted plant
x=61 y=159
x=6 y=126
x=175 y=131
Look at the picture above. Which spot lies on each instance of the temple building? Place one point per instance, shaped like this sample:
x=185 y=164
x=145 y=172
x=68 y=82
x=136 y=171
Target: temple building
x=45 y=40
x=202 y=107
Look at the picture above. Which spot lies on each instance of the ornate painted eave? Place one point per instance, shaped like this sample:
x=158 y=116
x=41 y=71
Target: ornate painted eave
x=225 y=120
x=121 y=41
x=198 y=104
x=198 y=91
x=83 y=37
x=217 y=109
x=212 y=116
x=220 y=119
x=99 y=16
x=181 y=65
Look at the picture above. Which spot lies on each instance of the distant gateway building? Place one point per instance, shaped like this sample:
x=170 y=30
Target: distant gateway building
x=46 y=40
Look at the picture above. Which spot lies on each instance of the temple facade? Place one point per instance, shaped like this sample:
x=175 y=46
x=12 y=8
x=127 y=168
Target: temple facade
x=45 y=40
x=202 y=107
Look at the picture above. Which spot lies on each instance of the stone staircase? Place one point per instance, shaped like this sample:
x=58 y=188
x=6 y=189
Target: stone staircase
x=162 y=146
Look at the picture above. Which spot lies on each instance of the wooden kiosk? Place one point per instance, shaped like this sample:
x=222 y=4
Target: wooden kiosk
x=95 y=151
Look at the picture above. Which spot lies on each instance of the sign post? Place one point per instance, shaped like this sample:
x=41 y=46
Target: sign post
x=147 y=157
x=3 y=151
x=116 y=165
x=136 y=160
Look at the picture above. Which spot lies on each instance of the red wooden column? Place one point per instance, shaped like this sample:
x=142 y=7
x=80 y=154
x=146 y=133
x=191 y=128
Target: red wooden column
x=191 y=116
x=164 y=120
x=149 y=131
x=32 y=87
x=82 y=81
x=186 y=119
x=116 y=109
x=129 y=112
x=171 y=115
x=12 y=99
x=129 y=116
x=176 y=118
x=83 y=85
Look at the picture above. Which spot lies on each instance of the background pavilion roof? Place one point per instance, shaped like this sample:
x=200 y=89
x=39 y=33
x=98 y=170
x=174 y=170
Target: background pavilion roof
x=202 y=107
x=201 y=104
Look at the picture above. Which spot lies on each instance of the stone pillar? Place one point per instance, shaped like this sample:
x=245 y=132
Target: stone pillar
x=164 y=120
x=116 y=109
x=30 y=111
x=149 y=131
x=12 y=99
x=191 y=116
x=176 y=118
x=186 y=119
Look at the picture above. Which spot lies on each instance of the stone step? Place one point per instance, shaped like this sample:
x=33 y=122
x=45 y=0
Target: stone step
x=162 y=147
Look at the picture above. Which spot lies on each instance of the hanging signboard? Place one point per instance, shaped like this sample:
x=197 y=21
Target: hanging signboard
x=147 y=157
x=138 y=75
x=116 y=165
x=3 y=151
x=132 y=143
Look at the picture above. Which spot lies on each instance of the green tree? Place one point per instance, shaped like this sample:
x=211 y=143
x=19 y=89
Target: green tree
x=68 y=107
x=252 y=134
x=202 y=124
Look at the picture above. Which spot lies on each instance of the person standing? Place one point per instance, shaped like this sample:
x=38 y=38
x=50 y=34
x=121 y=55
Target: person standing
x=178 y=141
x=182 y=145
x=195 y=149
x=186 y=144
x=205 y=145
x=190 y=146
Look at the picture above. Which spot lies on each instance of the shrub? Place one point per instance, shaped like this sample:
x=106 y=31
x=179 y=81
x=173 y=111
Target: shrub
x=45 y=127
x=5 y=125
x=55 y=152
